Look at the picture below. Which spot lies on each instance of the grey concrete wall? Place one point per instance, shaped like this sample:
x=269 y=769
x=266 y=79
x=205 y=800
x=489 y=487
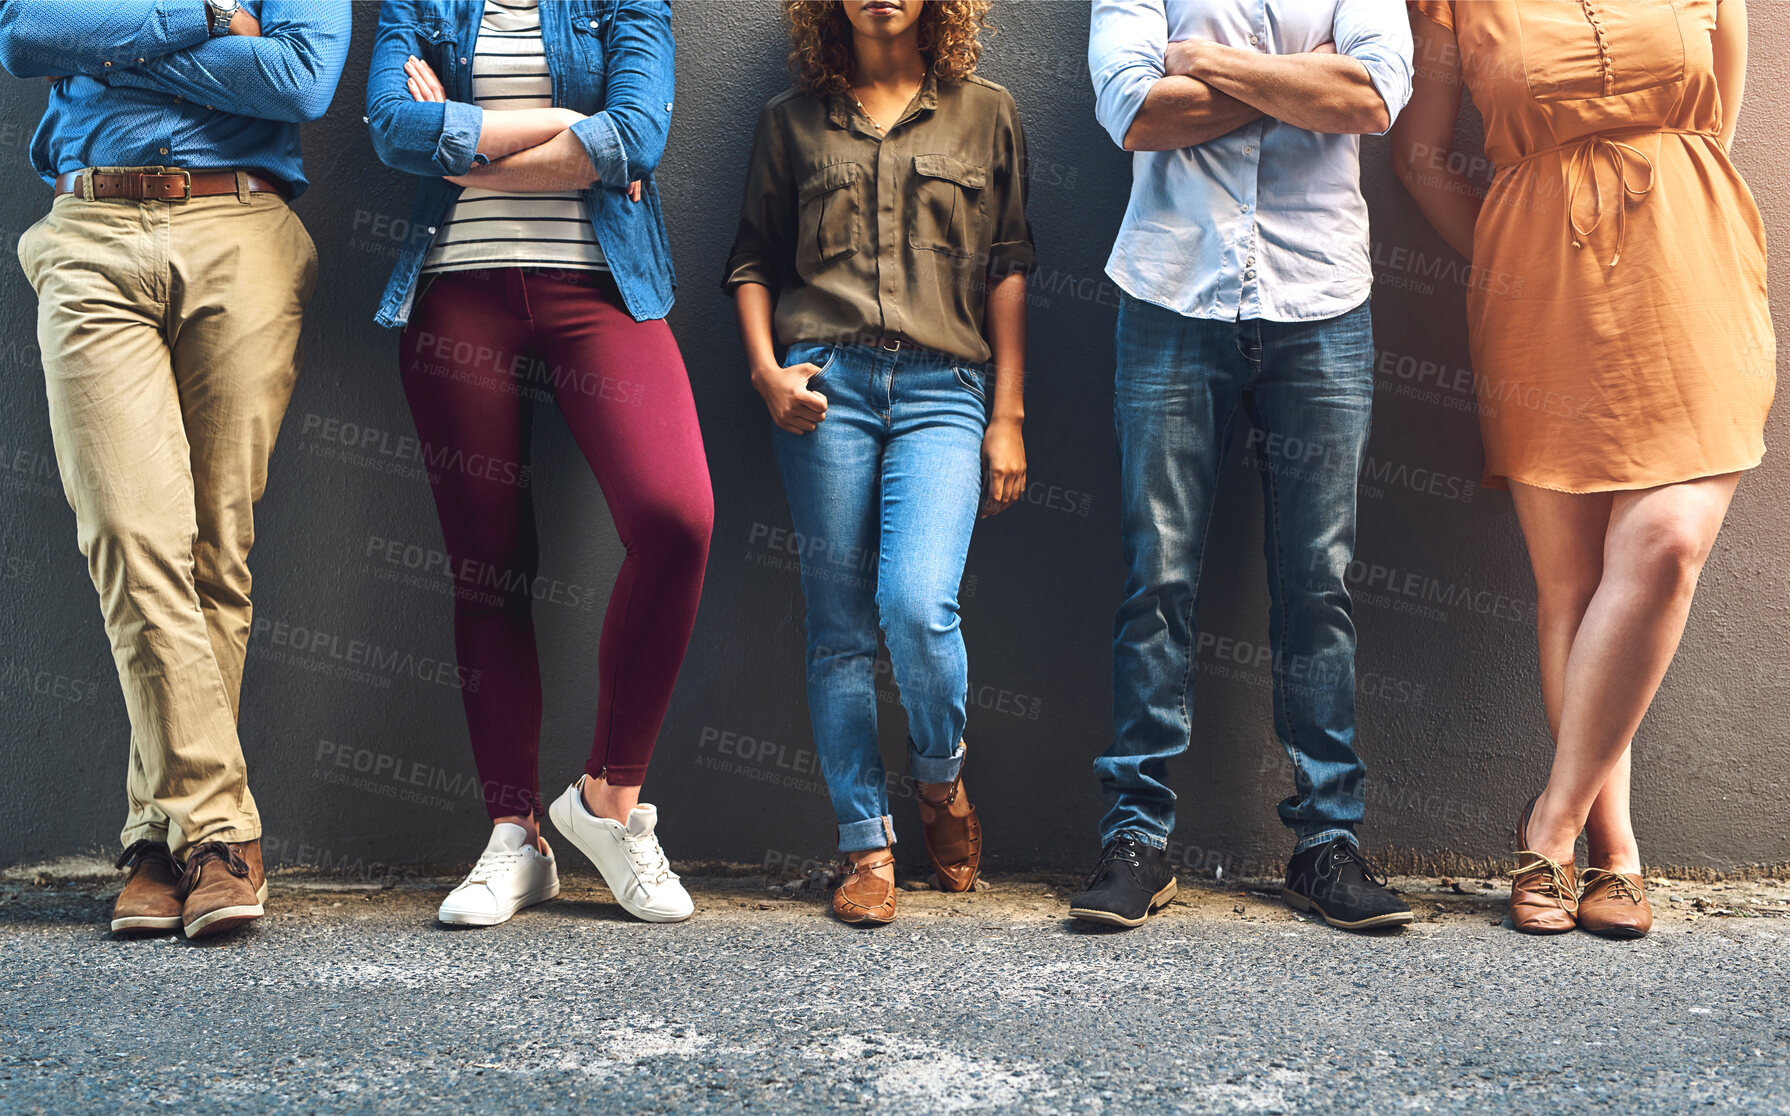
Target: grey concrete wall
x=1451 y=722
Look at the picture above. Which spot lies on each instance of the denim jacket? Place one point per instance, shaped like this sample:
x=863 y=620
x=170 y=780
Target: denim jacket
x=610 y=59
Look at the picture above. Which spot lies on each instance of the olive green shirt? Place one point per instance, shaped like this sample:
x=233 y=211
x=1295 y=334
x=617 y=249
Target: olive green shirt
x=861 y=236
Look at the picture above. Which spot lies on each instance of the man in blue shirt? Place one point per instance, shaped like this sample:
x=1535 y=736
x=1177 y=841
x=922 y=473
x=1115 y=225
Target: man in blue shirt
x=171 y=279
x=1243 y=262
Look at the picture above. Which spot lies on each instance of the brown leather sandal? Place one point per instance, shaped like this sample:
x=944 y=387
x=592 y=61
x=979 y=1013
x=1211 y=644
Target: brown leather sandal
x=864 y=899
x=954 y=844
x=1544 y=894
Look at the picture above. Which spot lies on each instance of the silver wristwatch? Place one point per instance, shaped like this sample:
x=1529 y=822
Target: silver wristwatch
x=218 y=14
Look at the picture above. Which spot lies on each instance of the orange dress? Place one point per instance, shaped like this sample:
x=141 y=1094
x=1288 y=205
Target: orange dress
x=1617 y=311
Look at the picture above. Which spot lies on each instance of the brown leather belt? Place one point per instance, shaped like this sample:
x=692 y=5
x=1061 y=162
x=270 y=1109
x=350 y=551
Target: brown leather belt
x=166 y=184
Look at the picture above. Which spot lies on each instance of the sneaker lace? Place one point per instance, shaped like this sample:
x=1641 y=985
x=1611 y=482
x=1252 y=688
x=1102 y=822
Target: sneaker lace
x=1621 y=887
x=647 y=858
x=493 y=864
x=1554 y=885
x=204 y=854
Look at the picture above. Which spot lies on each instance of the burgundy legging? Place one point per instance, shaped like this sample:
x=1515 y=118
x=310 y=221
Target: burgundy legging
x=481 y=349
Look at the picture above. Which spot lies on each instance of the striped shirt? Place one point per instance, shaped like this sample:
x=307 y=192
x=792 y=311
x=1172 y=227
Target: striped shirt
x=488 y=228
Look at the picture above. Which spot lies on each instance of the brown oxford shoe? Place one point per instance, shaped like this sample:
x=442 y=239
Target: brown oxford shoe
x=224 y=885
x=1544 y=894
x=865 y=899
x=1614 y=904
x=953 y=843
x=150 y=901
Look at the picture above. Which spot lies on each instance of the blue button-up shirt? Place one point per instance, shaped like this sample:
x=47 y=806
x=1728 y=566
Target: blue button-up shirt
x=144 y=84
x=1267 y=221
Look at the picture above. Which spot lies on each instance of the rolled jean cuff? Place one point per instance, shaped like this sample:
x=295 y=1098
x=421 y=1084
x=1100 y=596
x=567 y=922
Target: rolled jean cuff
x=1324 y=837
x=933 y=769
x=1154 y=840
x=871 y=833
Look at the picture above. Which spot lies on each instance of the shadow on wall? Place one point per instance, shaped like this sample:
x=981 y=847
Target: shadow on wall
x=351 y=712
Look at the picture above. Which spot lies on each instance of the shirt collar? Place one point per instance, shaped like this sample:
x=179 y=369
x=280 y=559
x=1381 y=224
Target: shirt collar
x=841 y=107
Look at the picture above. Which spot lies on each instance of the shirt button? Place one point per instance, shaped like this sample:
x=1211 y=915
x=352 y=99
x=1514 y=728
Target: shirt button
x=163 y=150
x=107 y=65
x=431 y=230
x=1243 y=208
x=1249 y=274
x=594 y=26
x=139 y=61
x=1250 y=262
x=462 y=61
x=1249 y=151
x=1255 y=40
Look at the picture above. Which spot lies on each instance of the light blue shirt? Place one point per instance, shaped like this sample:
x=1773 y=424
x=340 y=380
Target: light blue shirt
x=1267 y=221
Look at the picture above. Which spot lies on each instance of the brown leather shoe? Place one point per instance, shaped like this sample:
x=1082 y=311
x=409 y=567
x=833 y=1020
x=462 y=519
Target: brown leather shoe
x=953 y=844
x=1544 y=894
x=866 y=899
x=224 y=886
x=1614 y=904
x=150 y=901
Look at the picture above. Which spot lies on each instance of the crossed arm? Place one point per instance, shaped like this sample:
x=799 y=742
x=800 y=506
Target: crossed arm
x=1153 y=94
x=281 y=63
x=530 y=150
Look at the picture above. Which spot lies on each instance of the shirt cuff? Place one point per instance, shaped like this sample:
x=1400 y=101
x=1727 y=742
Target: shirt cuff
x=746 y=269
x=461 y=126
x=603 y=146
x=1391 y=79
x=1015 y=255
x=185 y=25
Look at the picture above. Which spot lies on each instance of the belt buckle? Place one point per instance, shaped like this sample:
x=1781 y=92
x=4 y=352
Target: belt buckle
x=187 y=176
x=890 y=345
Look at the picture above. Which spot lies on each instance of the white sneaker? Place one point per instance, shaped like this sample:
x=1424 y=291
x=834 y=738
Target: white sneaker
x=511 y=874
x=629 y=856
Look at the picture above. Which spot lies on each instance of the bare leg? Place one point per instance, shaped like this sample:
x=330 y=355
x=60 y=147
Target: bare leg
x=1654 y=550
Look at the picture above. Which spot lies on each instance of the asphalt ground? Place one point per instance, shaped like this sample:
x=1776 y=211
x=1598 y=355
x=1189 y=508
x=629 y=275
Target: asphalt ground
x=349 y=998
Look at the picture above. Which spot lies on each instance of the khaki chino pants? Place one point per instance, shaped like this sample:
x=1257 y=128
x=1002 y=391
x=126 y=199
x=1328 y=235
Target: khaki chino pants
x=169 y=333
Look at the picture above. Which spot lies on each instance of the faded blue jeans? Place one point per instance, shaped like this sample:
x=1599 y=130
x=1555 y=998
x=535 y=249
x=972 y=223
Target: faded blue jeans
x=1307 y=389
x=883 y=496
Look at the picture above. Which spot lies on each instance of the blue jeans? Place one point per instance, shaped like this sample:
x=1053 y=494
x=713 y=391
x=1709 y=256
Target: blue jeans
x=883 y=496
x=1307 y=388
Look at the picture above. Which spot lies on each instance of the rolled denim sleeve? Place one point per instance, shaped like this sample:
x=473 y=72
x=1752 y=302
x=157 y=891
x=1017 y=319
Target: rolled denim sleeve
x=626 y=139
x=1127 y=41
x=417 y=137
x=53 y=38
x=1377 y=34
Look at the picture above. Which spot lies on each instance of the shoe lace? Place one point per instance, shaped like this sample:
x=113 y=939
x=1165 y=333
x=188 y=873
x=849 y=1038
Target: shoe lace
x=1343 y=852
x=647 y=858
x=493 y=864
x=205 y=854
x=1554 y=885
x=145 y=849
x=1621 y=887
x=1121 y=851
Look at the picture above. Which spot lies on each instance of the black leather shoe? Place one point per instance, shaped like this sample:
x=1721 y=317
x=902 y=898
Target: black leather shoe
x=1336 y=882
x=1132 y=880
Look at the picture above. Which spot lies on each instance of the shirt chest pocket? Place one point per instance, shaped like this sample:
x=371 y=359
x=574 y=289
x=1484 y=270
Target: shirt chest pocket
x=830 y=209
x=587 y=41
x=439 y=49
x=947 y=208
x=1577 y=50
